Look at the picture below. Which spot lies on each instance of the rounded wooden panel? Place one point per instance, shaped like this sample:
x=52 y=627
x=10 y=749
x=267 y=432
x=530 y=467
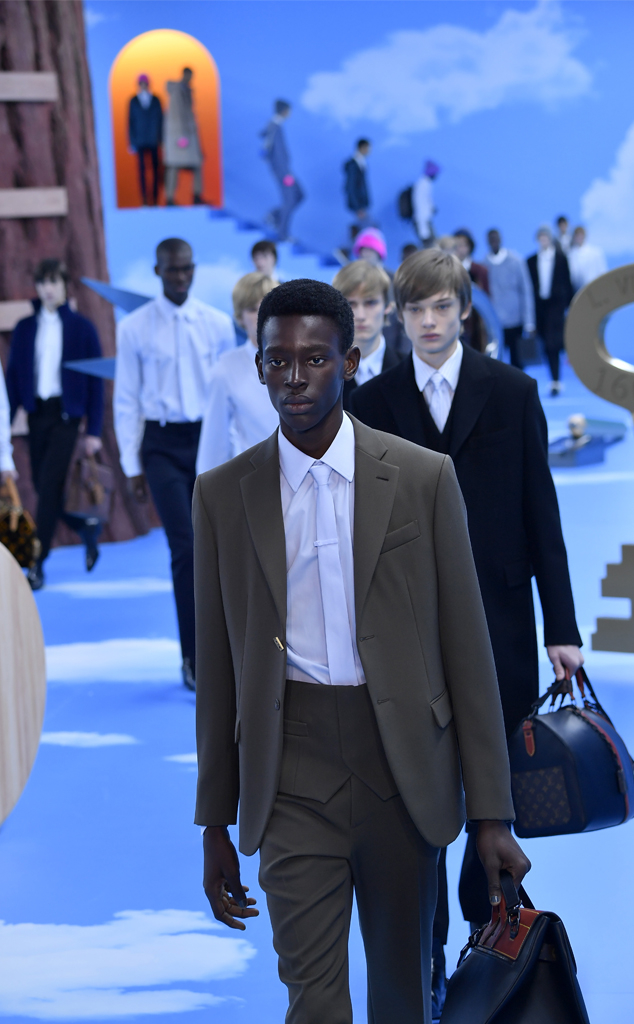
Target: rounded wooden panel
x=22 y=681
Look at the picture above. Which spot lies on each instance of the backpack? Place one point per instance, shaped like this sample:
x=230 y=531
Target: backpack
x=405 y=205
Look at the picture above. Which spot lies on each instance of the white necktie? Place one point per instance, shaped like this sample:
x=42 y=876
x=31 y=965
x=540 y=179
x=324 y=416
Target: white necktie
x=440 y=401
x=341 y=664
x=187 y=385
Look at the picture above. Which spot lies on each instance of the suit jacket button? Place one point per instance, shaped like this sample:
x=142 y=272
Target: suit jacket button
x=277 y=705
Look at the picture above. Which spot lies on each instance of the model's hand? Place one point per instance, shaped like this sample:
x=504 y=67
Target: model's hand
x=565 y=656
x=137 y=486
x=221 y=880
x=92 y=444
x=8 y=474
x=498 y=850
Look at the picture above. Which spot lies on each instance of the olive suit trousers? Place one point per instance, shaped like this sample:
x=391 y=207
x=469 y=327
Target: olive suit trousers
x=339 y=827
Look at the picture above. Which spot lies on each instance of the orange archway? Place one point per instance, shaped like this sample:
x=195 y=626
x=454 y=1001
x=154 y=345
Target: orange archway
x=161 y=55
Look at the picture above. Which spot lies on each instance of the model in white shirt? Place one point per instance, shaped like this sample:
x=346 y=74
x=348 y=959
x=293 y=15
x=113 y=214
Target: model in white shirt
x=7 y=465
x=239 y=413
x=367 y=289
x=586 y=261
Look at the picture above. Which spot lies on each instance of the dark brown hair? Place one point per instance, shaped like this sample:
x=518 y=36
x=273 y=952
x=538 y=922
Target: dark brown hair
x=428 y=272
x=50 y=270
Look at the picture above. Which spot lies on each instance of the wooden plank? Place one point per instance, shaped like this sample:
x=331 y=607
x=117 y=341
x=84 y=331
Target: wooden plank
x=33 y=202
x=22 y=682
x=11 y=312
x=28 y=87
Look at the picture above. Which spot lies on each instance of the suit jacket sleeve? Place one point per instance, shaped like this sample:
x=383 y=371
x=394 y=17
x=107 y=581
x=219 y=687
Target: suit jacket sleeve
x=543 y=525
x=218 y=775
x=468 y=660
x=94 y=398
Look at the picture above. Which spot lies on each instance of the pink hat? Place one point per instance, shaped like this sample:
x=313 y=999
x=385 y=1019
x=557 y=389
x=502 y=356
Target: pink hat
x=370 y=238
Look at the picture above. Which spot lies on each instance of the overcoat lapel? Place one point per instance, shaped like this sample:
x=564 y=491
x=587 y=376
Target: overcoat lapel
x=374 y=491
x=403 y=398
x=263 y=507
x=475 y=384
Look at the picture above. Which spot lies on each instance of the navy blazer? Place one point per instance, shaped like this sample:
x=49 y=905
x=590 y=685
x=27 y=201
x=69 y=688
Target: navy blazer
x=145 y=125
x=356 y=186
x=390 y=358
x=499 y=444
x=82 y=394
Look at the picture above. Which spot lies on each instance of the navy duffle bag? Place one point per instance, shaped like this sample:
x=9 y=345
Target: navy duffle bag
x=570 y=769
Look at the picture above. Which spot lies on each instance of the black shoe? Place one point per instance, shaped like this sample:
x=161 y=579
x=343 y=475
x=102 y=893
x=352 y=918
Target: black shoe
x=35 y=576
x=89 y=534
x=438 y=979
x=188 y=675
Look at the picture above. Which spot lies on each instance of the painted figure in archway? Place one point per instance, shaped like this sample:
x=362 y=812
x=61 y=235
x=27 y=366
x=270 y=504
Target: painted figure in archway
x=181 y=145
x=145 y=129
x=275 y=151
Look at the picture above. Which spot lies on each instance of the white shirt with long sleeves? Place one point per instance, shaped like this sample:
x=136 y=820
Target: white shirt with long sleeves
x=239 y=413
x=545 y=268
x=449 y=372
x=587 y=262
x=48 y=354
x=307 y=657
x=423 y=204
x=372 y=365
x=165 y=355
x=6 y=448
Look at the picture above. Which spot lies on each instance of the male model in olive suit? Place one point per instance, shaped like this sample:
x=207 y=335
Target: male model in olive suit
x=347 y=700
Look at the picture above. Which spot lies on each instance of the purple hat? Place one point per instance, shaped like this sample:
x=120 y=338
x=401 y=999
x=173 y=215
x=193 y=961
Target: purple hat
x=143 y=80
x=370 y=238
x=432 y=170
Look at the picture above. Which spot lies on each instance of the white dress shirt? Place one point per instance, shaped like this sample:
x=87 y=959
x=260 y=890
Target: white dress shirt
x=423 y=205
x=165 y=354
x=48 y=354
x=239 y=413
x=439 y=386
x=545 y=268
x=587 y=262
x=372 y=365
x=307 y=657
x=6 y=448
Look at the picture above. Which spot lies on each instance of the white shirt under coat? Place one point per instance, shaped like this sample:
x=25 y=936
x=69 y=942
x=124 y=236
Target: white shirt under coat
x=165 y=355
x=48 y=354
x=239 y=412
x=448 y=373
x=545 y=268
x=6 y=448
x=372 y=365
x=307 y=658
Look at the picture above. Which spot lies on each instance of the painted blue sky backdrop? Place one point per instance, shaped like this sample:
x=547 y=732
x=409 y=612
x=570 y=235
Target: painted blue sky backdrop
x=526 y=106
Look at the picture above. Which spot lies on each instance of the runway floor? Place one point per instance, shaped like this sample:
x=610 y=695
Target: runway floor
x=103 y=914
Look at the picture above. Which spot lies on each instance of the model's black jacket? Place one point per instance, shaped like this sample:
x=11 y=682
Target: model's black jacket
x=390 y=358
x=497 y=437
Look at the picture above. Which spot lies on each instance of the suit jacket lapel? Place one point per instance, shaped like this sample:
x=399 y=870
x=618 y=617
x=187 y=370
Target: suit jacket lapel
x=263 y=507
x=374 y=490
x=474 y=387
x=403 y=397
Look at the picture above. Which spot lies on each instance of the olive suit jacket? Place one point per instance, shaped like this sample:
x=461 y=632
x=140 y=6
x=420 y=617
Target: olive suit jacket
x=421 y=635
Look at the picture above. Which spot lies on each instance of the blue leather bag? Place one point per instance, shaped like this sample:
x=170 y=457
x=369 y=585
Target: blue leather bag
x=570 y=769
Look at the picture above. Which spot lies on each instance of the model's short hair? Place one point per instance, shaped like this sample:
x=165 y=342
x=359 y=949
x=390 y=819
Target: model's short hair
x=463 y=233
x=445 y=242
x=494 y=231
x=561 y=219
x=370 y=279
x=249 y=292
x=544 y=229
x=51 y=269
x=169 y=246
x=265 y=245
x=363 y=142
x=281 y=106
x=304 y=297
x=428 y=272
x=408 y=250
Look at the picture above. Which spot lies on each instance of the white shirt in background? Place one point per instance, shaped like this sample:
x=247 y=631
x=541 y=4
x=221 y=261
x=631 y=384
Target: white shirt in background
x=449 y=372
x=48 y=354
x=165 y=355
x=307 y=658
x=372 y=365
x=423 y=205
x=239 y=413
x=6 y=448
x=545 y=268
x=587 y=262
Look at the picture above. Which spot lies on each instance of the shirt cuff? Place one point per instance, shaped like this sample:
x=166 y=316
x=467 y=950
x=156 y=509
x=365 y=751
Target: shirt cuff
x=6 y=462
x=131 y=465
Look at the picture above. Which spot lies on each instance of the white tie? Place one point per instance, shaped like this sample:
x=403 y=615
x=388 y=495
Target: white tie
x=186 y=381
x=440 y=402
x=341 y=663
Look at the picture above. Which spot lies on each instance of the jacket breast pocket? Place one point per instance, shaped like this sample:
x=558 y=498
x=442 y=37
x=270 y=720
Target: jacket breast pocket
x=442 y=709
x=401 y=536
x=292 y=728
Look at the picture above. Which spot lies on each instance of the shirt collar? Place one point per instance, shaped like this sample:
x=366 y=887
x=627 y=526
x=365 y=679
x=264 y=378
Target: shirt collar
x=170 y=310
x=375 y=360
x=547 y=254
x=497 y=257
x=450 y=369
x=340 y=456
x=47 y=316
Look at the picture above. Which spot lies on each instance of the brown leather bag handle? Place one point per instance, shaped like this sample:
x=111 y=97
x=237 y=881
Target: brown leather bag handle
x=14 y=498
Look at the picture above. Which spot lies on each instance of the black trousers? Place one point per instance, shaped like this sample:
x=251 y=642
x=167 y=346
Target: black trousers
x=513 y=342
x=168 y=454
x=52 y=437
x=153 y=153
x=550 y=316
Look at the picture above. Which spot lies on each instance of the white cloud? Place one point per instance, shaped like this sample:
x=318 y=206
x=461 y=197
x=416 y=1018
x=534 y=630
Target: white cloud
x=93 y=17
x=113 y=589
x=213 y=282
x=183 y=758
x=117 y=969
x=418 y=78
x=607 y=208
x=114 y=661
x=88 y=739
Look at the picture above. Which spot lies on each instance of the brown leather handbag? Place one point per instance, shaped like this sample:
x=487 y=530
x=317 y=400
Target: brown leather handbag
x=89 y=486
x=17 y=529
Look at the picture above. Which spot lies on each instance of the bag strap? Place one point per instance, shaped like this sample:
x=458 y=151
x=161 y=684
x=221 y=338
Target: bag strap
x=563 y=688
x=513 y=898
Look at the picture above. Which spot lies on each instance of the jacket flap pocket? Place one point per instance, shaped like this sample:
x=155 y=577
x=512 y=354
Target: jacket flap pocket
x=236 y=735
x=443 y=712
x=401 y=536
x=518 y=573
x=295 y=728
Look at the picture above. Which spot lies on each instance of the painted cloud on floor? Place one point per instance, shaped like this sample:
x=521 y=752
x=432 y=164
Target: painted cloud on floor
x=87 y=739
x=115 y=661
x=419 y=78
x=117 y=969
x=139 y=586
